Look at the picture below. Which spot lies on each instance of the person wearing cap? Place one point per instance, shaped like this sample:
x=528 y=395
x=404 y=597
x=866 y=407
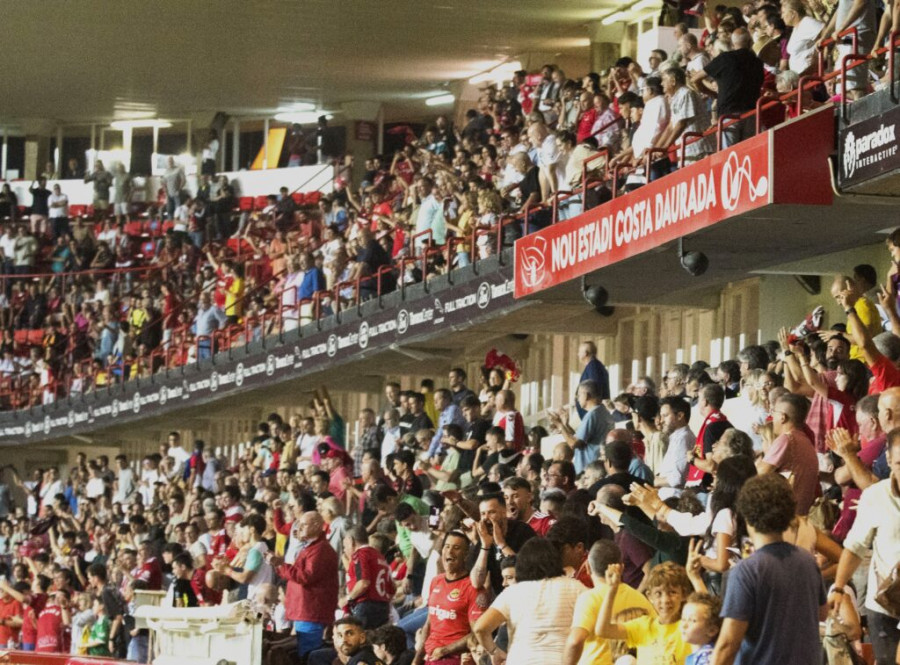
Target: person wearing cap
x=337 y=464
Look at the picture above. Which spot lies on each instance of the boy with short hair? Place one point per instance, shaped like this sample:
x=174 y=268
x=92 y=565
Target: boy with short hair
x=700 y=625
x=98 y=641
x=657 y=638
x=52 y=623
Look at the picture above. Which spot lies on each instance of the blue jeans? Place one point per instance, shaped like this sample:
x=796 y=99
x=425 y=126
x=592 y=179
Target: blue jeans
x=411 y=623
x=884 y=635
x=372 y=615
x=137 y=649
x=309 y=636
x=204 y=349
x=462 y=259
x=734 y=134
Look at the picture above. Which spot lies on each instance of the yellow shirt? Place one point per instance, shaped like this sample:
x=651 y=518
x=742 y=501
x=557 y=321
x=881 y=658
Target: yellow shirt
x=869 y=316
x=656 y=644
x=587 y=608
x=233 y=293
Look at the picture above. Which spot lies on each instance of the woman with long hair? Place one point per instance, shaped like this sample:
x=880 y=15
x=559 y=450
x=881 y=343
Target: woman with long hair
x=720 y=526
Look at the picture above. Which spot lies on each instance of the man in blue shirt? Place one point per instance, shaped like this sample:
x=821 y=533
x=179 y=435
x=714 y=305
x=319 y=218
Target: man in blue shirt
x=593 y=371
x=313 y=278
x=448 y=413
x=775 y=599
x=595 y=424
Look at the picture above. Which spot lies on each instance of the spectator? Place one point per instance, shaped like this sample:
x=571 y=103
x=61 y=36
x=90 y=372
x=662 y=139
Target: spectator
x=591 y=432
x=102 y=180
x=739 y=77
x=312 y=583
x=778 y=585
x=537 y=609
x=174 y=182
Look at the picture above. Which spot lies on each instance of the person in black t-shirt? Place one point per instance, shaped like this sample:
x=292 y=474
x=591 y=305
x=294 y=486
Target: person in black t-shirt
x=474 y=432
x=739 y=77
x=181 y=593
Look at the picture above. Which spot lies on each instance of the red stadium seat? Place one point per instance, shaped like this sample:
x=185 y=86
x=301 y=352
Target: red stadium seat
x=298 y=198
x=134 y=228
x=260 y=202
x=312 y=198
x=245 y=203
x=35 y=337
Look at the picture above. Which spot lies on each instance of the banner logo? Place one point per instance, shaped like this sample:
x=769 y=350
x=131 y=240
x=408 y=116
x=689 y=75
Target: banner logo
x=733 y=178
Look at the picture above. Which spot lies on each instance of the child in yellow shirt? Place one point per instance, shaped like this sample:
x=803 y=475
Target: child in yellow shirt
x=658 y=639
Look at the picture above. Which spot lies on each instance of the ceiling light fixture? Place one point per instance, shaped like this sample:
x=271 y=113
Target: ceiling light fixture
x=440 y=100
x=497 y=74
x=139 y=124
x=299 y=118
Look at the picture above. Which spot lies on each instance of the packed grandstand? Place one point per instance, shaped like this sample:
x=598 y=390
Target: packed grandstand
x=691 y=522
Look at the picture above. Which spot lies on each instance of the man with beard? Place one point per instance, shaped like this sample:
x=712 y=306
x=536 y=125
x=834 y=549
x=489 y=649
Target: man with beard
x=520 y=505
x=454 y=606
x=350 y=646
x=675 y=413
x=499 y=536
x=819 y=419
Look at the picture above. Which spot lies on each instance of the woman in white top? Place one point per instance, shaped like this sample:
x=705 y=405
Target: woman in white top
x=537 y=610
x=719 y=524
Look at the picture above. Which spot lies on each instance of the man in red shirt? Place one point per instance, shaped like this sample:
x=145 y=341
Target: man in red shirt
x=454 y=605
x=148 y=568
x=312 y=584
x=520 y=505
x=510 y=420
x=51 y=624
x=219 y=540
x=880 y=353
x=10 y=618
x=370 y=586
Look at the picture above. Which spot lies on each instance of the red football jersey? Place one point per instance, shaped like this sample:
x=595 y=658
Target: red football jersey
x=50 y=630
x=452 y=609
x=368 y=564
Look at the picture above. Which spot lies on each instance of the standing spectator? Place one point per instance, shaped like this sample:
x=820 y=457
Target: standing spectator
x=25 y=250
x=805 y=30
x=208 y=157
x=448 y=414
x=121 y=193
x=110 y=601
x=370 y=586
x=689 y=114
x=174 y=181
x=499 y=536
x=792 y=452
x=58 y=204
x=312 y=583
x=876 y=529
x=778 y=586
x=594 y=370
x=591 y=433
x=430 y=216
x=509 y=420
x=102 y=180
x=40 y=210
x=675 y=412
x=584 y=646
x=862 y=15
x=537 y=609
x=739 y=77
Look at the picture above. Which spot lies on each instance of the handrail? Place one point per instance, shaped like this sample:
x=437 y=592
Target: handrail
x=852 y=31
x=857 y=59
x=330 y=164
x=602 y=152
x=893 y=40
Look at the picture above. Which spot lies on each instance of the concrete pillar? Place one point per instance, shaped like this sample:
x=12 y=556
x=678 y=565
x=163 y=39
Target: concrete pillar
x=236 y=146
x=606 y=44
x=360 y=149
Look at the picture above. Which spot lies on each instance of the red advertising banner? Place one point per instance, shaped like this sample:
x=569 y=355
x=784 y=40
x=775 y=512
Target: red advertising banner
x=731 y=182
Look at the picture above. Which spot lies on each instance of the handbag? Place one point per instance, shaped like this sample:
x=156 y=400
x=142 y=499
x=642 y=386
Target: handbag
x=838 y=650
x=888 y=595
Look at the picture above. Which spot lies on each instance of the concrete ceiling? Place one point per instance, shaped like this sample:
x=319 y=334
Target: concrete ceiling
x=95 y=59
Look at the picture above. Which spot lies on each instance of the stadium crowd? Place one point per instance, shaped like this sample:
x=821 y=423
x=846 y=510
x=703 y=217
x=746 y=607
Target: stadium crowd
x=101 y=294
x=688 y=523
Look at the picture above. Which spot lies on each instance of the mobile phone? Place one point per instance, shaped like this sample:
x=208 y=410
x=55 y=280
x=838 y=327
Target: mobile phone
x=434 y=517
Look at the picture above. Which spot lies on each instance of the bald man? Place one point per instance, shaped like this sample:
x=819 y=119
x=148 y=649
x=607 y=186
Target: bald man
x=312 y=582
x=792 y=452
